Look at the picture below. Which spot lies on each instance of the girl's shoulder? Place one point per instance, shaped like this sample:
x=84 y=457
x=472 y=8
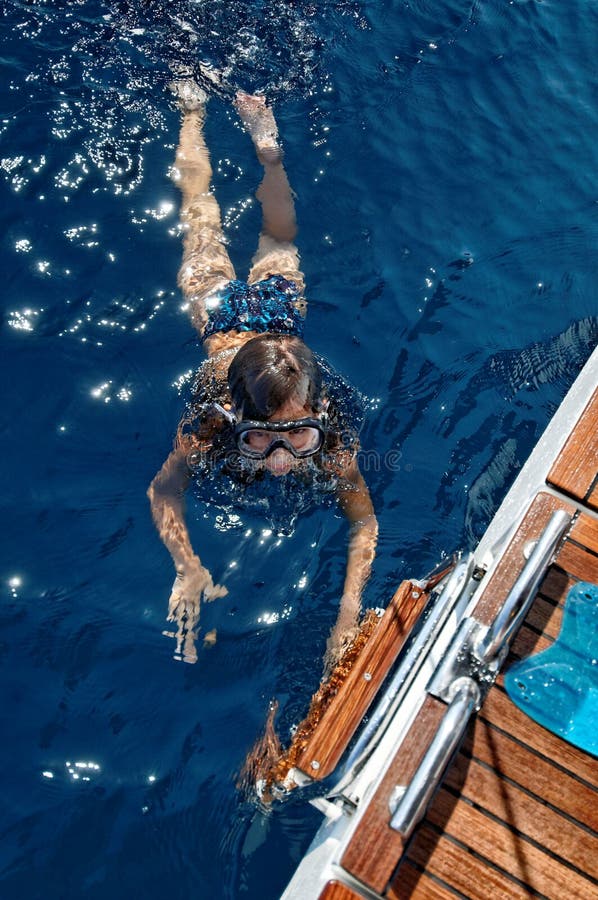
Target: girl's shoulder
x=210 y=379
x=346 y=402
x=201 y=421
x=345 y=408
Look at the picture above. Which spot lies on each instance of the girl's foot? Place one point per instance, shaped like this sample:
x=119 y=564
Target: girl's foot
x=214 y=81
x=189 y=95
x=258 y=120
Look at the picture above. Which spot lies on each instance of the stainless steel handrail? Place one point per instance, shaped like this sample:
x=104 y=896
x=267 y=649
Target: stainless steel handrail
x=464 y=694
x=412 y=805
x=521 y=595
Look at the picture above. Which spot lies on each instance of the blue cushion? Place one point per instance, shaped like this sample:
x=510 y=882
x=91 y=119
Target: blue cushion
x=558 y=687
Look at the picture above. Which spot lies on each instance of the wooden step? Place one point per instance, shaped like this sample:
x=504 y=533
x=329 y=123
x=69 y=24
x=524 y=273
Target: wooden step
x=338 y=722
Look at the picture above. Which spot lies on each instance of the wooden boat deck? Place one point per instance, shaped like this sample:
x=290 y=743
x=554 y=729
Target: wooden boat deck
x=517 y=814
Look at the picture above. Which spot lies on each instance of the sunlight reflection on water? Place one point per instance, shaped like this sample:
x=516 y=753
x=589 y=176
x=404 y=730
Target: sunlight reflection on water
x=447 y=231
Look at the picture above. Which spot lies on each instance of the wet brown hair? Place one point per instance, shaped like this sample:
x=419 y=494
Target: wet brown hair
x=270 y=370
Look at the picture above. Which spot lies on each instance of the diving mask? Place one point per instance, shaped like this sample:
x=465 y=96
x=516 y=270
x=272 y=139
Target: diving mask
x=257 y=440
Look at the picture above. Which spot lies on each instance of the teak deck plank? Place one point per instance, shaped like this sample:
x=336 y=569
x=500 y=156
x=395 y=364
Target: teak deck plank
x=533 y=773
x=545 y=618
x=508 y=794
x=524 y=813
x=375 y=848
x=543 y=622
x=413 y=884
x=574 y=471
x=501 y=712
x=578 y=562
x=517 y=807
x=527 y=641
x=336 y=890
x=556 y=585
x=340 y=720
x=513 y=560
x=585 y=532
x=517 y=857
x=457 y=867
x=518 y=811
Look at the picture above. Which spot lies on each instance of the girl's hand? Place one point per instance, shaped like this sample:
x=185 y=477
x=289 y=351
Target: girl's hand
x=343 y=634
x=190 y=586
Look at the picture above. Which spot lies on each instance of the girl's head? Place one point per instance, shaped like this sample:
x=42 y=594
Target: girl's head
x=272 y=373
x=275 y=377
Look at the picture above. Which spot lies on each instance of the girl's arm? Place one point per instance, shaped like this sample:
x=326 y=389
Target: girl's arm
x=166 y=494
x=356 y=504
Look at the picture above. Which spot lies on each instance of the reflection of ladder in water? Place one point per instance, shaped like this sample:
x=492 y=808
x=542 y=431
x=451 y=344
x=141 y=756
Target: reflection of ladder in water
x=517 y=814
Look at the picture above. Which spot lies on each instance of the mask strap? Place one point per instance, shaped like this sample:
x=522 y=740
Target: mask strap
x=228 y=415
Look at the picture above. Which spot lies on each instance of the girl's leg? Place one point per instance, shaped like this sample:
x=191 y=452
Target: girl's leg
x=206 y=264
x=276 y=253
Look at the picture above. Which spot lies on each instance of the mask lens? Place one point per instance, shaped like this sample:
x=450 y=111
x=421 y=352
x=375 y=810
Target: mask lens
x=302 y=440
x=257 y=439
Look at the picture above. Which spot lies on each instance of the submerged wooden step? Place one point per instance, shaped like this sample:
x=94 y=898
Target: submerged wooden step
x=342 y=700
x=340 y=719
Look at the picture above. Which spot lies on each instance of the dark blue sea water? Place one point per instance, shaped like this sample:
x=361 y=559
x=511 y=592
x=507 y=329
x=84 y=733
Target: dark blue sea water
x=444 y=159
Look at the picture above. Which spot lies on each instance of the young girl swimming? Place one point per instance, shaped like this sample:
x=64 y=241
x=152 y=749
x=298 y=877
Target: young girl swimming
x=264 y=405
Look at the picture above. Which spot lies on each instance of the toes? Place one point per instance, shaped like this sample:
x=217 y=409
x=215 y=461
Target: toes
x=249 y=101
x=190 y=95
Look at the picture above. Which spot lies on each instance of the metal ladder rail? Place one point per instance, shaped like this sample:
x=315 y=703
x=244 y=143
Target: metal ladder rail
x=466 y=675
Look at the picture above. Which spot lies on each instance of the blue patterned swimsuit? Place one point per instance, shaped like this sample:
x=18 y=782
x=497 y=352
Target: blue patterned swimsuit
x=269 y=305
